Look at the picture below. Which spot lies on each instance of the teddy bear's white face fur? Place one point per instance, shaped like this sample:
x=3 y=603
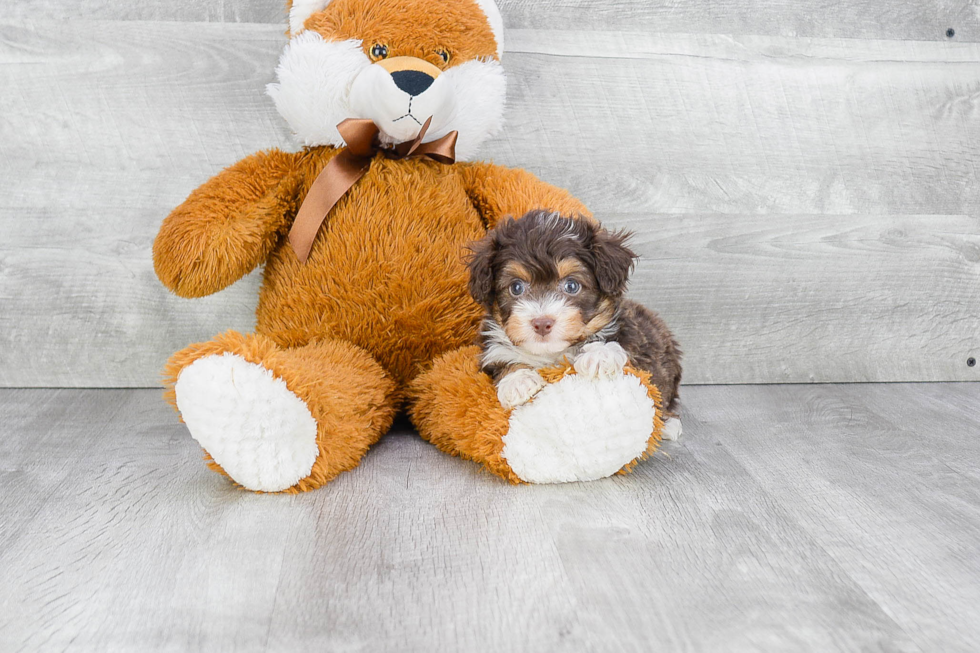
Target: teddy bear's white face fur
x=322 y=82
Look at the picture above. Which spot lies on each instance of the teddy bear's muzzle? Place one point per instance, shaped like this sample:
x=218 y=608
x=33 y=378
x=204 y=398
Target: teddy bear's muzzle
x=400 y=93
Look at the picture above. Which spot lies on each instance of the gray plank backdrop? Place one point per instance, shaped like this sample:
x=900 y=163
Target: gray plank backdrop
x=801 y=175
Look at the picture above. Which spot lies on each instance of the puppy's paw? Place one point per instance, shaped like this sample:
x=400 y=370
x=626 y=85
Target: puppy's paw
x=601 y=360
x=518 y=387
x=672 y=429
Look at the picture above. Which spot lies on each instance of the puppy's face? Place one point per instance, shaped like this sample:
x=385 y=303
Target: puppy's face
x=550 y=282
x=547 y=310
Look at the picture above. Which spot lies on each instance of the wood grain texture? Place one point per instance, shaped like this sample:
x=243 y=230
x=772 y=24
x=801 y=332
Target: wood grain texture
x=26 y=438
x=214 y=11
x=841 y=466
x=865 y=19
x=823 y=192
x=689 y=124
x=790 y=518
x=813 y=298
x=925 y=20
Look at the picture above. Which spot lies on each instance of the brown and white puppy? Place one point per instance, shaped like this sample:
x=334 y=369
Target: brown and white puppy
x=553 y=288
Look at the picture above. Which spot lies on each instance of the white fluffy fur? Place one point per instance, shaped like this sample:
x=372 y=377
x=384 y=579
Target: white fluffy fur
x=312 y=93
x=321 y=83
x=374 y=95
x=480 y=88
x=260 y=433
x=579 y=429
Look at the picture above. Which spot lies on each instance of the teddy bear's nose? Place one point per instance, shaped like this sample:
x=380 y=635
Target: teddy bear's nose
x=413 y=82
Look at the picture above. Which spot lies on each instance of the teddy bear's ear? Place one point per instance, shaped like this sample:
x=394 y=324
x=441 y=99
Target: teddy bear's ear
x=496 y=21
x=300 y=10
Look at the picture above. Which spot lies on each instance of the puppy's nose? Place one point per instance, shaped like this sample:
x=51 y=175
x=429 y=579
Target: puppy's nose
x=542 y=325
x=413 y=82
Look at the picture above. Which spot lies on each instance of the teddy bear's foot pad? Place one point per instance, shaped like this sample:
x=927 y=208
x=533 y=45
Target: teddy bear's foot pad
x=579 y=429
x=261 y=434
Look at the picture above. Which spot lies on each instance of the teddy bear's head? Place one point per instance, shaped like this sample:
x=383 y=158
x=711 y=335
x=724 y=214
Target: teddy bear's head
x=396 y=62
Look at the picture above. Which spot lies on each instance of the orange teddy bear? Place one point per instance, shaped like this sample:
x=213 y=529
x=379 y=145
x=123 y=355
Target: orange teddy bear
x=368 y=311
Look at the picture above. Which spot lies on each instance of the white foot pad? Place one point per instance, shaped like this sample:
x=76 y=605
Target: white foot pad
x=262 y=434
x=579 y=429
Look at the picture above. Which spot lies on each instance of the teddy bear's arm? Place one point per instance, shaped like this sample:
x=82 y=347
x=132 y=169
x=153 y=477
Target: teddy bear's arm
x=498 y=192
x=226 y=227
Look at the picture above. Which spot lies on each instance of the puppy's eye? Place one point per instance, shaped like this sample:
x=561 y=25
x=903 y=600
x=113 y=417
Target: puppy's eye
x=517 y=288
x=379 y=52
x=443 y=55
x=571 y=286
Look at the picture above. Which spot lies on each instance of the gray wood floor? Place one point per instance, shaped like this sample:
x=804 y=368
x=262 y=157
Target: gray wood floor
x=809 y=518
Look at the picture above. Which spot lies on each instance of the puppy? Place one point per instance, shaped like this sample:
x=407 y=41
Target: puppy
x=553 y=288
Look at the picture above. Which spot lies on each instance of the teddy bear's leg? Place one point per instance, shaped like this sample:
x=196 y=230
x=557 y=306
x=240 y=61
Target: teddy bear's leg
x=280 y=419
x=574 y=429
x=455 y=407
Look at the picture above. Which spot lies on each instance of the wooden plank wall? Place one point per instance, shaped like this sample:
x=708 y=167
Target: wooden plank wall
x=801 y=175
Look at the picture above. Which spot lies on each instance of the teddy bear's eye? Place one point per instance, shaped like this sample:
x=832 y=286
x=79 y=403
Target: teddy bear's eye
x=444 y=55
x=379 y=52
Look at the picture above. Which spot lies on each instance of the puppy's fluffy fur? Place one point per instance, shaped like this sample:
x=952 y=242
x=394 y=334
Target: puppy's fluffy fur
x=553 y=288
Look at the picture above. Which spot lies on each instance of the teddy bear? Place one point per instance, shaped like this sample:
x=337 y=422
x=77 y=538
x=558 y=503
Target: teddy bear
x=363 y=309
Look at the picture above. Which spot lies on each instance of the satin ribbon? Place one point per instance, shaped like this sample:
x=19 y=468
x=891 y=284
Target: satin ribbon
x=345 y=169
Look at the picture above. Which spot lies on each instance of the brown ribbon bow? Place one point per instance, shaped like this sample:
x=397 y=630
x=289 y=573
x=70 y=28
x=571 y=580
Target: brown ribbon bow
x=343 y=171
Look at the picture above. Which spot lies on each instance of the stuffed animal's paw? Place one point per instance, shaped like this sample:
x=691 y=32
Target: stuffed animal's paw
x=262 y=435
x=518 y=387
x=580 y=429
x=601 y=360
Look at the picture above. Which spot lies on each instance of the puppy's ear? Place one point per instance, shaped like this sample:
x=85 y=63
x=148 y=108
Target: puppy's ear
x=480 y=264
x=612 y=260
